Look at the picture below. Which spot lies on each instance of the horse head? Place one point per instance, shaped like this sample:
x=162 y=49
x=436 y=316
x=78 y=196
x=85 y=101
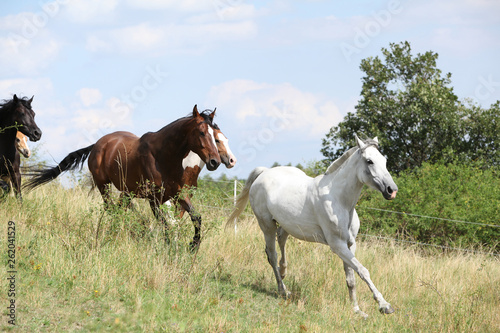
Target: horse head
x=225 y=153
x=25 y=116
x=22 y=144
x=372 y=170
x=201 y=139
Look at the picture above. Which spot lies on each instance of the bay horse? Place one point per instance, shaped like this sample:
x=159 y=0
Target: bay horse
x=193 y=164
x=288 y=202
x=149 y=166
x=15 y=114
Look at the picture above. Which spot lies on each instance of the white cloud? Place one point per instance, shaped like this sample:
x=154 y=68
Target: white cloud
x=91 y=123
x=235 y=12
x=27 y=46
x=185 y=5
x=148 y=39
x=87 y=11
x=89 y=96
x=25 y=87
x=280 y=106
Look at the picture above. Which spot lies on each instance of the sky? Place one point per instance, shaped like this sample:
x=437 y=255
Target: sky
x=280 y=73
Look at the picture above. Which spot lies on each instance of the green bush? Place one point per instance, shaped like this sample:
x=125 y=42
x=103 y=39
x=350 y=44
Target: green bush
x=453 y=191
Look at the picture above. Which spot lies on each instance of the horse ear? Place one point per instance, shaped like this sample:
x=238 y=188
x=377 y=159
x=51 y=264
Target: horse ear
x=31 y=99
x=212 y=115
x=375 y=139
x=15 y=98
x=196 y=114
x=361 y=144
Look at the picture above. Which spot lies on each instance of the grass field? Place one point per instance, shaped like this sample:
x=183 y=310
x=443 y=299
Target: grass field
x=80 y=269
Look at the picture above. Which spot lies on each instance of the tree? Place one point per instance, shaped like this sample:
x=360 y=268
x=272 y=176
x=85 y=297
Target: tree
x=482 y=139
x=408 y=104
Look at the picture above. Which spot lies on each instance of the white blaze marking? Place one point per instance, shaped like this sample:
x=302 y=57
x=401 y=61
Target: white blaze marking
x=222 y=138
x=211 y=132
x=192 y=160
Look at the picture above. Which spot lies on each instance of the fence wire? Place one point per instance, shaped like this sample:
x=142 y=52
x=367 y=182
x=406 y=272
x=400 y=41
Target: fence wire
x=239 y=185
x=430 y=217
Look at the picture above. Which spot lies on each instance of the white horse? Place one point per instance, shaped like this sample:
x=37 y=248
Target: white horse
x=288 y=202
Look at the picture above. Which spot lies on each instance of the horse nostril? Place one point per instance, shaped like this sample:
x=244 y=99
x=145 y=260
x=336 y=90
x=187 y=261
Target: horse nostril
x=37 y=134
x=213 y=163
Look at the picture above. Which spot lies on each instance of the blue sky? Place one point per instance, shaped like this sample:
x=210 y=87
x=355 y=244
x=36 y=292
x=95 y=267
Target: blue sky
x=280 y=73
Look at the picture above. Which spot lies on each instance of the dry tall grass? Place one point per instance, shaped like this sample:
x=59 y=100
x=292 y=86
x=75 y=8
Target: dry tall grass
x=80 y=268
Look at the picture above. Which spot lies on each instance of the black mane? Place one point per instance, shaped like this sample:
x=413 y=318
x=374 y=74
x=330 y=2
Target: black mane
x=9 y=102
x=205 y=114
x=206 y=117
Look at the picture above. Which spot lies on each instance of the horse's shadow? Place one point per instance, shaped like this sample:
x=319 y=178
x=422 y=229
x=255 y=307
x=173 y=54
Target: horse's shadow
x=296 y=293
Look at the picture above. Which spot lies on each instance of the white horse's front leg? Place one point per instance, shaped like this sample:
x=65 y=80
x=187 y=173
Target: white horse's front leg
x=351 y=284
x=341 y=249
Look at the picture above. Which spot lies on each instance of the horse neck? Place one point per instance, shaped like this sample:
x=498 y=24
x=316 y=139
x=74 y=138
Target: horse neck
x=5 y=117
x=7 y=141
x=344 y=183
x=171 y=141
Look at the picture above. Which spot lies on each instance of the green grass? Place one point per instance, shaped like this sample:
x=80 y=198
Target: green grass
x=80 y=269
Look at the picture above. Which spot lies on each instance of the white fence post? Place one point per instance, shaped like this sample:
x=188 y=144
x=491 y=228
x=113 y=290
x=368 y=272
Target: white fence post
x=235 y=194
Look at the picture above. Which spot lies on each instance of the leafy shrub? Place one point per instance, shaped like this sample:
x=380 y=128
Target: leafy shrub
x=450 y=192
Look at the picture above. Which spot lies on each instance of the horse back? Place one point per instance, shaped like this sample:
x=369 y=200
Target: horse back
x=285 y=195
x=283 y=190
x=115 y=159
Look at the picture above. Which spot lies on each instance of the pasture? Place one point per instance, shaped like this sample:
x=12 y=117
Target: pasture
x=82 y=269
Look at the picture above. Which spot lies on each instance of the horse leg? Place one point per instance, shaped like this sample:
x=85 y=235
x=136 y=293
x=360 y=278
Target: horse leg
x=196 y=219
x=5 y=186
x=282 y=237
x=105 y=189
x=351 y=284
x=269 y=228
x=16 y=184
x=342 y=250
x=125 y=200
x=158 y=213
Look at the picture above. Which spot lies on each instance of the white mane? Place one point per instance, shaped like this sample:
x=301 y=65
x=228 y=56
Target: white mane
x=340 y=161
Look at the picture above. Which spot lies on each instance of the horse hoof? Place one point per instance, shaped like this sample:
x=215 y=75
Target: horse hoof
x=386 y=309
x=193 y=246
x=361 y=313
x=285 y=294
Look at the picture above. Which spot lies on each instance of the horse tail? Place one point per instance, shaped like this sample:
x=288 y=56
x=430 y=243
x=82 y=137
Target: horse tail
x=70 y=162
x=242 y=199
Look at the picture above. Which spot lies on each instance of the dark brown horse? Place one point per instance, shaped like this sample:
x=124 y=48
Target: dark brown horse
x=148 y=167
x=15 y=114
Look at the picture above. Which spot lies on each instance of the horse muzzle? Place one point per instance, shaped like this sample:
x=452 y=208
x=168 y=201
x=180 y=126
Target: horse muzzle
x=390 y=192
x=228 y=161
x=26 y=153
x=34 y=134
x=212 y=164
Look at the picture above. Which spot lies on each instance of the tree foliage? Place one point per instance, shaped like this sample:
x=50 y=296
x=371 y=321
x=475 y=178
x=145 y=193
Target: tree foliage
x=410 y=105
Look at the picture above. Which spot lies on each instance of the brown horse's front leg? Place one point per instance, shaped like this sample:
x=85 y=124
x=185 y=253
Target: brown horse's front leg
x=158 y=213
x=5 y=187
x=16 y=184
x=196 y=218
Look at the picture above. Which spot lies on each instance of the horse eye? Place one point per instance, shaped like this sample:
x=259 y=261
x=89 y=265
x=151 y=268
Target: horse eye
x=202 y=133
x=217 y=141
x=369 y=161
